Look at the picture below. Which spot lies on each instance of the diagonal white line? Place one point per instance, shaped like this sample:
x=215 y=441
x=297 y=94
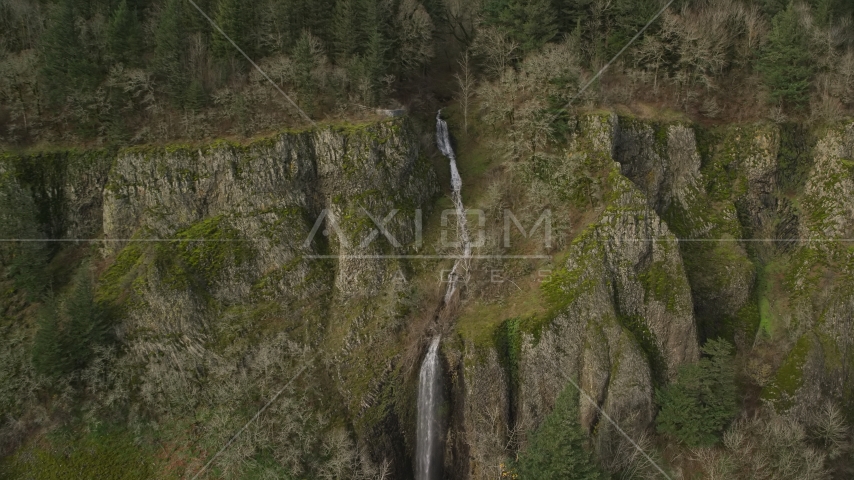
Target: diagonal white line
x=602 y=70
x=234 y=437
x=253 y=63
x=607 y=417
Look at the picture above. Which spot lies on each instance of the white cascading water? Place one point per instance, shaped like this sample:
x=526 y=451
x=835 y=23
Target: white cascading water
x=428 y=454
x=443 y=140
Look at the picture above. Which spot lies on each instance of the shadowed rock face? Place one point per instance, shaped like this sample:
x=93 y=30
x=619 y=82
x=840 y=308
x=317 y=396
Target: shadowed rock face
x=636 y=300
x=626 y=323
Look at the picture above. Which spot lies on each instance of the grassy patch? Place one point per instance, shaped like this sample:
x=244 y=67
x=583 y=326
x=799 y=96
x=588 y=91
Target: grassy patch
x=789 y=376
x=200 y=254
x=769 y=291
x=478 y=321
x=109 y=454
x=660 y=284
x=118 y=277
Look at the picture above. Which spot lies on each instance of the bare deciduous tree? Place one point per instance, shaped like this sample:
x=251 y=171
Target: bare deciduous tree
x=416 y=35
x=466 y=82
x=497 y=50
x=462 y=17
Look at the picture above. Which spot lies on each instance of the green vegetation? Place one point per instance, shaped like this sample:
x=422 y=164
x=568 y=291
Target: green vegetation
x=789 y=376
x=786 y=63
x=124 y=36
x=508 y=345
x=660 y=284
x=25 y=261
x=66 y=66
x=170 y=50
x=201 y=331
x=70 y=328
x=100 y=454
x=646 y=340
x=702 y=401
x=557 y=449
x=531 y=23
x=141 y=70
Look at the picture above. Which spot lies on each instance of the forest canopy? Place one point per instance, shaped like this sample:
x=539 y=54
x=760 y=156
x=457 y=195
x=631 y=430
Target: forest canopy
x=130 y=71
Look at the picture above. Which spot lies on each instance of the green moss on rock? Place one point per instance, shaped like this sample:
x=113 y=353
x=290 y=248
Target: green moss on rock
x=789 y=377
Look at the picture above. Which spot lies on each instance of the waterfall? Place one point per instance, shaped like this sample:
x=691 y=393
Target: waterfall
x=443 y=140
x=428 y=447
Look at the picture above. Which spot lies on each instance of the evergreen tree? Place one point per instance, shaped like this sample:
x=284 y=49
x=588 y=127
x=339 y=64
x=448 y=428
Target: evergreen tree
x=124 y=36
x=785 y=63
x=70 y=328
x=306 y=59
x=367 y=17
x=319 y=15
x=25 y=260
x=627 y=17
x=196 y=96
x=770 y=8
x=572 y=15
x=556 y=450
x=531 y=23
x=703 y=400
x=827 y=12
x=86 y=322
x=234 y=17
x=170 y=49
x=65 y=66
x=374 y=64
x=193 y=22
x=287 y=19
x=345 y=30
x=47 y=351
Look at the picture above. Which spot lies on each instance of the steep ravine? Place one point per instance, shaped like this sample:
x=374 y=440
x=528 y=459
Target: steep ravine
x=672 y=259
x=429 y=430
x=621 y=322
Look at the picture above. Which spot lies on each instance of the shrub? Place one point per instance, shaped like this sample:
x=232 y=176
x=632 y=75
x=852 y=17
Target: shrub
x=556 y=449
x=701 y=403
x=786 y=63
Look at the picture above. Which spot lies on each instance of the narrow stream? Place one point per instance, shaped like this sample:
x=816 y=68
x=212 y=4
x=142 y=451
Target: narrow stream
x=428 y=448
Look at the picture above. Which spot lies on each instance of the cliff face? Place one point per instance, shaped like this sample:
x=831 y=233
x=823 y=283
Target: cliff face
x=66 y=188
x=685 y=234
x=274 y=191
x=216 y=256
x=664 y=160
x=294 y=224
x=815 y=282
x=621 y=320
x=733 y=232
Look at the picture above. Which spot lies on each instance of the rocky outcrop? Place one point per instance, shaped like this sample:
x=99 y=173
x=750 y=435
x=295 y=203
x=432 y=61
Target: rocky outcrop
x=622 y=323
x=816 y=288
x=303 y=230
x=627 y=326
x=681 y=237
x=288 y=197
x=66 y=187
x=664 y=160
x=661 y=160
